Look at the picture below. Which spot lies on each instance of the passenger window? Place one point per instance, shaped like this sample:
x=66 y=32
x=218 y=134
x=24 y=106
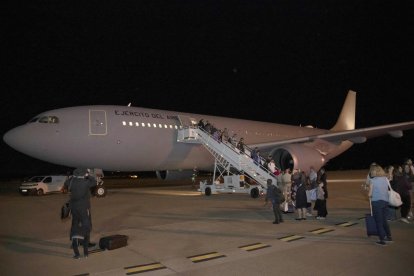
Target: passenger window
x=47 y=179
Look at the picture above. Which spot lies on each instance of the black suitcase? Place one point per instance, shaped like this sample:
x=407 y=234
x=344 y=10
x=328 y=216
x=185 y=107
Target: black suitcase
x=370 y=223
x=113 y=242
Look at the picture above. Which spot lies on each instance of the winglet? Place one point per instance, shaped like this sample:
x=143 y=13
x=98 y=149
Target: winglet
x=346 y=120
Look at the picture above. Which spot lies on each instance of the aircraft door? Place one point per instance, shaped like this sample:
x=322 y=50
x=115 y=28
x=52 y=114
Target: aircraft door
x=97 y=122
x=186 y=121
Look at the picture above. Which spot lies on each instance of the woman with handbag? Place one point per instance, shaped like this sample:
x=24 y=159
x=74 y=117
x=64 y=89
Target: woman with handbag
x=378 y=194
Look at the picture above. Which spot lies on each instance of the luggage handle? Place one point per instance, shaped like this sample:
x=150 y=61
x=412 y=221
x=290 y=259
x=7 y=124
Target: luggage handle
x=370 y=205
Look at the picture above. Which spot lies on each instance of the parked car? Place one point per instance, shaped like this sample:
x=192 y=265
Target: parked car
x=40 y=185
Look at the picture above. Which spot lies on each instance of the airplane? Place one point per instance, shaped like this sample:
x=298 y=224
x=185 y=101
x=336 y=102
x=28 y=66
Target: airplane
x=126 y=138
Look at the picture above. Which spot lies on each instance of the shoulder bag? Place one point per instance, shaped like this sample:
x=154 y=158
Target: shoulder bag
x=394 y=198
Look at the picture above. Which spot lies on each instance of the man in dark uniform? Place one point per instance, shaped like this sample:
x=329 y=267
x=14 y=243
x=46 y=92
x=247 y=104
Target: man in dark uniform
x=274 y=195
x=79 y=186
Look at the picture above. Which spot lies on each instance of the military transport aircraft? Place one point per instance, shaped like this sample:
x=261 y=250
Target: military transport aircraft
x=126 y=138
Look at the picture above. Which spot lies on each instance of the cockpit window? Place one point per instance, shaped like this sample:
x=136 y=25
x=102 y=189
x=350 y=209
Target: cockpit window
x=34 y=120
x=49 y=120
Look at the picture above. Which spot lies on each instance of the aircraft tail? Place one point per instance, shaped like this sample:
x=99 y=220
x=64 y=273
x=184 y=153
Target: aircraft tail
x=346 y=119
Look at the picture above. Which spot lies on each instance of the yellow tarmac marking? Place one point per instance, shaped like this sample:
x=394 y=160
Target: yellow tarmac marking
x=255 y=246
x=291 y=238
x=143 y=268
x=206 y=257
x=321 y=230
x=346 y=224
x=95 y=250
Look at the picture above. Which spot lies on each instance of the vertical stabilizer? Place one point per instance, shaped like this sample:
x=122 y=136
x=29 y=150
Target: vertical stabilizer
x=346 y=120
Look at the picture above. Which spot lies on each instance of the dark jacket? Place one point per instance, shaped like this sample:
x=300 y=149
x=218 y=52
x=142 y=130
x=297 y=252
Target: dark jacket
x=79 y=187
x=301 y=199
x=274 y=194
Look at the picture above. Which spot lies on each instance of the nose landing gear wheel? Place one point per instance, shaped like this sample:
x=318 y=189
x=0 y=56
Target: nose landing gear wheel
x=100 y=191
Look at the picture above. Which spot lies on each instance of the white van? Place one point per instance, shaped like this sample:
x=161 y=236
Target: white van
x=40 y=185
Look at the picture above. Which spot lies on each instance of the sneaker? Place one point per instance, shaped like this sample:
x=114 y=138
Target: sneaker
x=275 y=222
x=405 y=220
x=388 y=239
x=76 y=257
x=382 y=243
x=308 y=214
x=298 y=218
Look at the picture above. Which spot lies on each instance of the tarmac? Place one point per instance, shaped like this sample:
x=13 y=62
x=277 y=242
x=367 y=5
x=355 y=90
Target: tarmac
x=174 y=230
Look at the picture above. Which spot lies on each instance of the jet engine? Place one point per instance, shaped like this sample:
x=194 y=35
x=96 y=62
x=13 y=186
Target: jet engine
x=297 y=157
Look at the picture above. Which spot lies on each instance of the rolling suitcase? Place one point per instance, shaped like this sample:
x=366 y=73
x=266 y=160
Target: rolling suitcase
x=370 y=223
x=113 y=242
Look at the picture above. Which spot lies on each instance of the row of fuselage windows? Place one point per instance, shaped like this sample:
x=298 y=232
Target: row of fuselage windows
x=154 y=125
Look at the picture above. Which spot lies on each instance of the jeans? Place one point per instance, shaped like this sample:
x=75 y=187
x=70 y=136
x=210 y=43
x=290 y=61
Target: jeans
x=380 y=213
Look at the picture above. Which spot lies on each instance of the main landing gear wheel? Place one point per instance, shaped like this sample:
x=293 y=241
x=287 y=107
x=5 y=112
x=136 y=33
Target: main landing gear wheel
x=207 y=191
x=254 y=193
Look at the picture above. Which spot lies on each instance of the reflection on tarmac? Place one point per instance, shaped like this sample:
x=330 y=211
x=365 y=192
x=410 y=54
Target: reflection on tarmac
x=178 y=231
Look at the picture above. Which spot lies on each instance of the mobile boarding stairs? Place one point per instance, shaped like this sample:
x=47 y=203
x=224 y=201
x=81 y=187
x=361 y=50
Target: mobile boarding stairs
x=230 y=164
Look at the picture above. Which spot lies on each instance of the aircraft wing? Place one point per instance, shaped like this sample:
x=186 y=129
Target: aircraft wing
x=355 y=135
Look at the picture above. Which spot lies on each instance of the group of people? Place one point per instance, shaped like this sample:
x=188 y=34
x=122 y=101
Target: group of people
x=401 y=180
x=296 y=189
x=222 y=135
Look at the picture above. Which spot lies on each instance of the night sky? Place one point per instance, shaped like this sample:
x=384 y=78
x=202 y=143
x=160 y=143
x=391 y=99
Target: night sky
x=287 y=62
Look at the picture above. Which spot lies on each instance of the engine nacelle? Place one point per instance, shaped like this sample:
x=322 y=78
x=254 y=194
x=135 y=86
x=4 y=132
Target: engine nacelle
x=297 y=157
x=175 y=175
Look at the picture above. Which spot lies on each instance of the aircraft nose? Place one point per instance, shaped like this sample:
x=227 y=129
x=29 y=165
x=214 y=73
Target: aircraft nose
x=12 y=138
x=7 y=137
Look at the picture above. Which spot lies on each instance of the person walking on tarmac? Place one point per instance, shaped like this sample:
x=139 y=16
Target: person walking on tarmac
x=79 y=186
x=276 y=197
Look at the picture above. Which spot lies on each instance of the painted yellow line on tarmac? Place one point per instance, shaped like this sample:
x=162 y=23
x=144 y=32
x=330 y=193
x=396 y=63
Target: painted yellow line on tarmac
x=291 y=238
x=95 y=250
x=130 y=270
x=321 y=230
x=255 y=246
x=346 y=224
x=206 y=257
